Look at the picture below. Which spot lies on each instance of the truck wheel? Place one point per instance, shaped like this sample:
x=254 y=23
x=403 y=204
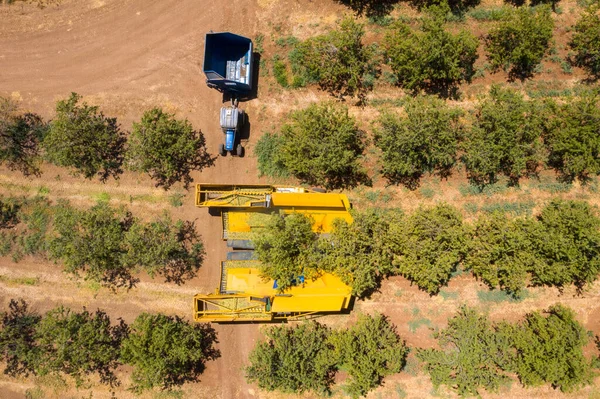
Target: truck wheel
x=240 y=150
x=222 y=151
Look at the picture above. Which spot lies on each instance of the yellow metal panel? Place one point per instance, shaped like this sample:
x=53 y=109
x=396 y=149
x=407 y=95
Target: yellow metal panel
x=308 y=304
x=312 y=200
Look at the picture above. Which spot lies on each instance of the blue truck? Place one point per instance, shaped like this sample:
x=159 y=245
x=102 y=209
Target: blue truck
x=228 y=63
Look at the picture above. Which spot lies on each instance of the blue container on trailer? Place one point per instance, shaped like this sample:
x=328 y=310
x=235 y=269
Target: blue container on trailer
x=228 y=62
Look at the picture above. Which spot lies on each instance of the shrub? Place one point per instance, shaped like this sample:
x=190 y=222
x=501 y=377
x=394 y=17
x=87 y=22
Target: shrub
x=78 y=344
x=570 y=246
x=293 y=359
x=337 y=61
x=371 y=8
x=471 y=355
x=549 y=349
x=82 y=138
x=167 y=149
x=167 y=351
x=419 y=64
x=286 y=248
x=423 y=141
x=505 y=138
x=20 y=137
x=92 y=242
x=359 y=252
x=268 y=153
x=369 y=350
x=321 y=145
x=173 y=250
x=17 y=339
x=585 y=42
x=458 y=7
x=520 y=41
x=571 y=136
x=504 y=251
x=429 y=246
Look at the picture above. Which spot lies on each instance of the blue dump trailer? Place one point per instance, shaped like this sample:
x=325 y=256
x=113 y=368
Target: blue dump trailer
x=228 y=63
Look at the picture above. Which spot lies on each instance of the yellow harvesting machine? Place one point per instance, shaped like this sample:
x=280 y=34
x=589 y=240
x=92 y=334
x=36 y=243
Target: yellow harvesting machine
x=243 y=295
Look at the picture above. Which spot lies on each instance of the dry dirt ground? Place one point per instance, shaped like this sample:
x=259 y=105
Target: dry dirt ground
x=129 y=55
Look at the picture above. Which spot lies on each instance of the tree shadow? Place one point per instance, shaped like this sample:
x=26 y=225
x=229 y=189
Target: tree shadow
x=370 y=8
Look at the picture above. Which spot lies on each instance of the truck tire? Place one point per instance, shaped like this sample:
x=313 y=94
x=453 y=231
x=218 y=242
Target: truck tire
x=240 y=150
x=222 y=151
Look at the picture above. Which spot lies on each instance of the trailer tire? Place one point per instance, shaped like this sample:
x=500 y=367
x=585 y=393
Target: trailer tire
x=240 y=150
x=222 y=151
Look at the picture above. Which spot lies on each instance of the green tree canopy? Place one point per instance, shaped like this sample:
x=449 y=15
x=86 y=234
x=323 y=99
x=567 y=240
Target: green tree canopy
x=322 y=146
x=549 y=349
x=79 y=344
x=520 y=41
x=286 y=248
x=430 y=58
x=17 y=339
x=572 y=137
x=456 y=6
x=505 y=138
x=429 y=246
x=173 y=250
x=166 y=351
x=20 y=137
x=167 y=149
x=109 y=245
x=425 y=140
x=359 y=252
x=503 y=251
x=294 y=359
x=82 y=138
x=471 y=357
x=338 y=61
x=585 y=42
x=369 y=350
x=570 y=246
x=91 y=242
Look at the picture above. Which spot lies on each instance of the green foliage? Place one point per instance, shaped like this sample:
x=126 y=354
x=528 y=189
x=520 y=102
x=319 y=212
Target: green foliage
x=458 y=7
x=488 y=14
x=549 y=349
x=423 y=141
x=337 y=61
x=503 y=251
x=35 y=215
x=584 y=42
x=520 y=41
x=173 y=250
x=359 y=253
x=20 y=137
x=109 y=245
x=280 y=71
x=430 y=58
x=472 y=357
x=17 y=339
x=166 y=351
x=82 y=138
x=371 y=8
x=167 y=149
x=78 y=344
x=572 y=137
x=321 y=145
x=286 y=248
x=570 y=246
x=429 y=246
x=268 y=154
x=9 y=213
x=505 y=138
x=92 y=242
x=369 y=350
x=294 y=359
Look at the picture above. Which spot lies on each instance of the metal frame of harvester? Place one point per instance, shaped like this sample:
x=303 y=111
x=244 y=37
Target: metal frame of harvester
x=243 y=295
